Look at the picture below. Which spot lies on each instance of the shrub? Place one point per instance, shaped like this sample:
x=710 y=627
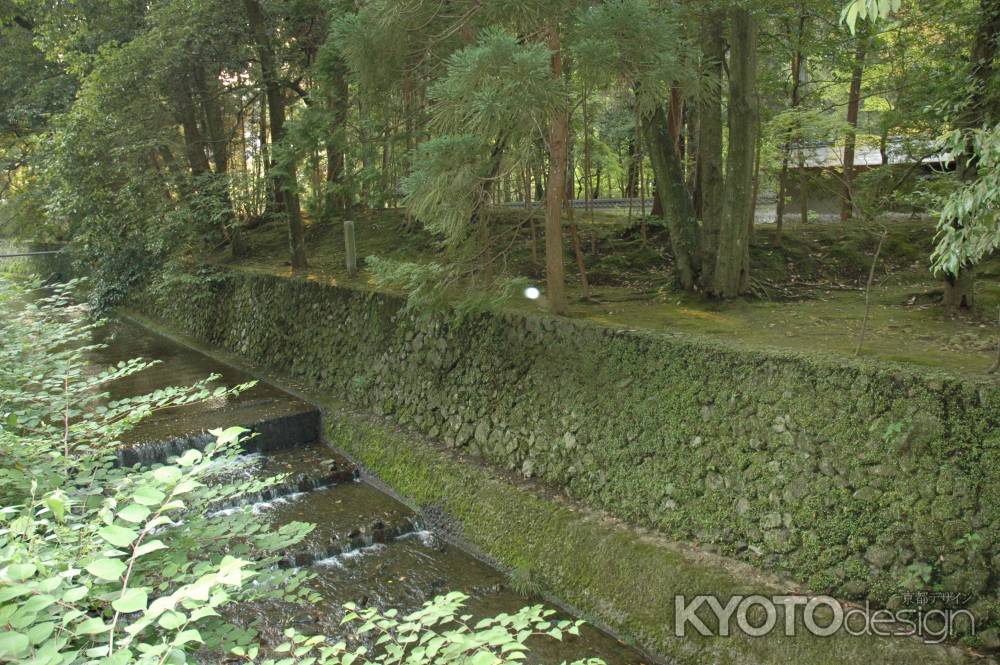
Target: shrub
x=111 y=565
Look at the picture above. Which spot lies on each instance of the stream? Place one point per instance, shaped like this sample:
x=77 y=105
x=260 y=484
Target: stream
x=367 y=548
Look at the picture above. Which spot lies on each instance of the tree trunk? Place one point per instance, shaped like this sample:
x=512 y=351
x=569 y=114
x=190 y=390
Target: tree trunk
x=711 y=187
x=850 y=141
x=526 y=192
x=797 y=65
x=555 y=187
x=959 y=290
x=672 y=190
x=194 y=143
x=657 y=210
x=588 y=185
x=732 y=275
x=779 y=213
x=284 y=178
x=675 y=123
x=210 y=93
x=758 y=145
x=337 y=198
x=632 y=179
x=570 y=152
x=694 y=150
x=274 y=203
x=485 y=198
x=386 y=163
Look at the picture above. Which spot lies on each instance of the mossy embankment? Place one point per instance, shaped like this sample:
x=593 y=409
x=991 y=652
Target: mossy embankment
x=855 y=478
x=615 y=575
x=808 y=289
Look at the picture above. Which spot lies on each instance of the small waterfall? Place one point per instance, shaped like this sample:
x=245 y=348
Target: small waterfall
x=293 y=486
x=281 y=432
x=157 y=452
x=380 y=532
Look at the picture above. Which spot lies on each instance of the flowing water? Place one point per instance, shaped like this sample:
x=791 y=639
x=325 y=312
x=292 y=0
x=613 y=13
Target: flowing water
x=367 y=548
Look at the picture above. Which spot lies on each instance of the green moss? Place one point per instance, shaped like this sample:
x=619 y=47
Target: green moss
x=828 y=470
x=621 y=578
x=817 y=275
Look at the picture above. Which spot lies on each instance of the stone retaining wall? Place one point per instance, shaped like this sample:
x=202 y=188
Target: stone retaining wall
x=854 y=478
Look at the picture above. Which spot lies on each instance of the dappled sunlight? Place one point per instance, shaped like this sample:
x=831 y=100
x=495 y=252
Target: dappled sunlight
x=706 y=315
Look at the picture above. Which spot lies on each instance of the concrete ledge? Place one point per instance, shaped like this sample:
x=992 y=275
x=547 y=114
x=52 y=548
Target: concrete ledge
x=269 y=434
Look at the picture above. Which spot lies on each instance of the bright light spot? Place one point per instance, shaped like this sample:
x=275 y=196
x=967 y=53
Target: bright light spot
x=531 y=293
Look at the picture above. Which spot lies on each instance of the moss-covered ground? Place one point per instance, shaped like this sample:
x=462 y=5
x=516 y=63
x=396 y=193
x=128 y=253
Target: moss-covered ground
x=808 y=290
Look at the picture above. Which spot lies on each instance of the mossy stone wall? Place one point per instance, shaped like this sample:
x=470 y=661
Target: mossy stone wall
x=612 y=574
x=853 y=478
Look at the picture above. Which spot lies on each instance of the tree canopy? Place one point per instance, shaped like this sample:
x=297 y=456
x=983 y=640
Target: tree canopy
x=146 y=131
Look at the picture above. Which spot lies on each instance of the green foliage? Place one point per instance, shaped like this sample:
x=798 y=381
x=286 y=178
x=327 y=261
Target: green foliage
x=430 y=288
x=497 y=86
x=808 y=126
x=917 y=575
x=356 y=36
x=100 y=563
x=437 y=633
x=117 y=211
x=111 y=565
x=522 y=582
x=629 y=42
x=493 y=97
x=968 y=228
x=867 y=10
x=447 y=185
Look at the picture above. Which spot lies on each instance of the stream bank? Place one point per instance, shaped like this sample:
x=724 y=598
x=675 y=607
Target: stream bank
x=611 y=573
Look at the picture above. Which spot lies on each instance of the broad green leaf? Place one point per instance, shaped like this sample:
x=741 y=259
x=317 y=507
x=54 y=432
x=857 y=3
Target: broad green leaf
x=133 y=600
x=168 y=475
x=41 y=632
x=8 y=593
x=20 y=571
x=151 y=546
x=118 y=536
x=190 y=458
x=38 y=603
x=106 y=569
x=148 y=495
x=483 y=658
x=172 y=620
x=92 y=626
x=230 y=435
x=56 y=502
x=135 y=513
x=13 y=644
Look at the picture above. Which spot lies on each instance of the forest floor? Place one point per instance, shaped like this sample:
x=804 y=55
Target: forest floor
x=808 y=293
